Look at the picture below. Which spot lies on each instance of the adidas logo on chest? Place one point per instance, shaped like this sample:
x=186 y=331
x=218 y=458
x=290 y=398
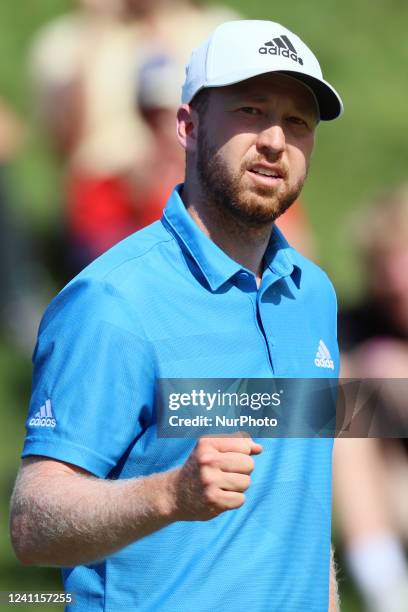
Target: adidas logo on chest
x=323 y=358
x=281 y=46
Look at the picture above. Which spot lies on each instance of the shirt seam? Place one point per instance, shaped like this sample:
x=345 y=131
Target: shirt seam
x=122 y=263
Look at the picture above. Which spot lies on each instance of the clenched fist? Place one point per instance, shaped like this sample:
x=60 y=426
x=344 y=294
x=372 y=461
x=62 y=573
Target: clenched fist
x=214 y=477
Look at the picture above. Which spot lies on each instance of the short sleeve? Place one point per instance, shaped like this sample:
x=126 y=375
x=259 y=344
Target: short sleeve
x=93 y=379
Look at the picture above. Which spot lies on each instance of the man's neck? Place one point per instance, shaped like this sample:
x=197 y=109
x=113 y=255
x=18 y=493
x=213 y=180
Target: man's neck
x=243 y=243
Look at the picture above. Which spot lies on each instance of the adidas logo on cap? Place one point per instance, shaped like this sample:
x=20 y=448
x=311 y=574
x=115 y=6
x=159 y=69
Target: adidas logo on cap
x=323 y=358
x=281 y=46
x=43 y=418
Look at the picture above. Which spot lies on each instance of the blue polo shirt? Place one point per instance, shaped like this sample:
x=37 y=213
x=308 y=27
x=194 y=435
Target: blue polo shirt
x=168 y=303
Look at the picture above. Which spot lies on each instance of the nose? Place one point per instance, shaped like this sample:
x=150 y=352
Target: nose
x=271 y=141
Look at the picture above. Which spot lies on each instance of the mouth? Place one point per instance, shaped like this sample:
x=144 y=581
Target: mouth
x=267 y=175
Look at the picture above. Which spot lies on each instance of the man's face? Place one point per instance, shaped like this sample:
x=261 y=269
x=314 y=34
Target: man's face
x=255 y=140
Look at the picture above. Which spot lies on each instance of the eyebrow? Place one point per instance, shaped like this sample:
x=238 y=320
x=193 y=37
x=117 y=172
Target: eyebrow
x=241 y=94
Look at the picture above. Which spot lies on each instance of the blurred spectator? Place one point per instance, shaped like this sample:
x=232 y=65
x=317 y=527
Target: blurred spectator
x=383 y=243
x=158 y=97
x=371 y=475
x=20 y=276
x=85 y=68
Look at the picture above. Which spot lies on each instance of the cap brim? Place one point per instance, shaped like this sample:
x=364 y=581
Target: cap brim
x=329 y=101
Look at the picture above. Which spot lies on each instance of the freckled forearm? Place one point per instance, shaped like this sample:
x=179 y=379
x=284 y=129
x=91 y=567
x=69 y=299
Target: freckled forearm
x=79 y=519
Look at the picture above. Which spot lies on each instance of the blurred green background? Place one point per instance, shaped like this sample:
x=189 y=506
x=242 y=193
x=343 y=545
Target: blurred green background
x=363 y=47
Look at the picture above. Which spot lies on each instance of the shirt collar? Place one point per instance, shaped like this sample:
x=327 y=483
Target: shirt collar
x=279 y=255
x=216 y=266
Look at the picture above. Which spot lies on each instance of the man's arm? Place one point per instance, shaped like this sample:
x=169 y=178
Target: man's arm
x=334 y=599
x=62 y=515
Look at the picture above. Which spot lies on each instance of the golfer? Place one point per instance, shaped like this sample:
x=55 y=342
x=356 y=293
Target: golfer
x=213 y=290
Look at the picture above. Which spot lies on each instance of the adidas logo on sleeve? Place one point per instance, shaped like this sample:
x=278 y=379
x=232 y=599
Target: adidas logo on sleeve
x=43 y=418
x=323 y=358
x=281 y=46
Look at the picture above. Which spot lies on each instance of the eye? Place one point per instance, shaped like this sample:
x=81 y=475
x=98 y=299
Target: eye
x=295 y=120
x=250 y=110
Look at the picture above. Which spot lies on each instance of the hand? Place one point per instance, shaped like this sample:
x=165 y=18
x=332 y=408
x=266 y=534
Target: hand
x=215 y=477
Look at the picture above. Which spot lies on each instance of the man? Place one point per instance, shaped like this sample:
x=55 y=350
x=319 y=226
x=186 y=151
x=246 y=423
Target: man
x=211 y=291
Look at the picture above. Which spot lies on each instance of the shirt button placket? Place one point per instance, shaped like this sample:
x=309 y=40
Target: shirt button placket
x=269 y=343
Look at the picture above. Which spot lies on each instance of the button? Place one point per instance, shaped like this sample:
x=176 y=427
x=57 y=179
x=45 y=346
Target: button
x=243 y=275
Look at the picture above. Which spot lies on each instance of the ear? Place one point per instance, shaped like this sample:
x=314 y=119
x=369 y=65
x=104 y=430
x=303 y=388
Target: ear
x=187 y=127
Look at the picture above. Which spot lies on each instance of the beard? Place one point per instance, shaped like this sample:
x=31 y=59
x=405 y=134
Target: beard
x=254 y=206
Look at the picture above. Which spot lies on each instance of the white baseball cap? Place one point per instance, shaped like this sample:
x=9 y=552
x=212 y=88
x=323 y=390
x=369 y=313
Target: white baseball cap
x=240 y=50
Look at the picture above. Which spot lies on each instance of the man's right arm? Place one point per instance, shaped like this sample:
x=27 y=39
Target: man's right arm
x=62 y=515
